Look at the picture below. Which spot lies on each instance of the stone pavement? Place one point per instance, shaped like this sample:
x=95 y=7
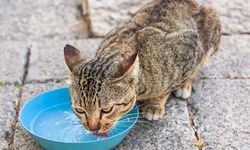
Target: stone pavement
x=33 y=34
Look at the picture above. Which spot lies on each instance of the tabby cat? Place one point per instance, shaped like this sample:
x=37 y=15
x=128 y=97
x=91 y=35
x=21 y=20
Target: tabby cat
x=158 y=51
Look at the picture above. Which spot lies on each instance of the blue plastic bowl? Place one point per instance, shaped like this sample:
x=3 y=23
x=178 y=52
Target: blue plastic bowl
x=50 y=120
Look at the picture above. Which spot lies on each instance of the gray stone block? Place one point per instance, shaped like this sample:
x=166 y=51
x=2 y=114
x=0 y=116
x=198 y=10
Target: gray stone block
x=26 y=19
x=12 y=60
x=105 y=15
x=173 y=131
x=231 y=60
x=221 y=112
x=8 y=97
x=47 y=59
x=22 y=140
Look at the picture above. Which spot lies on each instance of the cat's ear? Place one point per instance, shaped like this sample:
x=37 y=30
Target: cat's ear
x=128 y=67
x=72 y=56
x=126 y=64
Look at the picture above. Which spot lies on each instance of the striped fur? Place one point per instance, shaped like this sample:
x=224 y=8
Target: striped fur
x=171 y=40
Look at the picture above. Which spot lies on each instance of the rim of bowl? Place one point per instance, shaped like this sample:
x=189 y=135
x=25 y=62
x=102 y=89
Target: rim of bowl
x=62 y=88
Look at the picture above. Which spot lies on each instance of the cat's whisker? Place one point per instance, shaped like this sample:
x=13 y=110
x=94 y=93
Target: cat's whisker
x=114 y=131
x=123 y=126
x=129 y=122
x=141 y=105
x=128 y=116
x=131 y=117
x=131 y=114
x=67 y=118
x=117 y=130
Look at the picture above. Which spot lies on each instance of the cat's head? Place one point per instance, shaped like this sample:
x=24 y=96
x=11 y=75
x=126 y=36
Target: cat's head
x=102 y=90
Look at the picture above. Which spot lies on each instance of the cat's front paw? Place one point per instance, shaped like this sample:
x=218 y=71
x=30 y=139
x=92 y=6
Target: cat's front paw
x=153 y=112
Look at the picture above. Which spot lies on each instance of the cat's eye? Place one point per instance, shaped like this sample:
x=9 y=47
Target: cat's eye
x=107 y=110
x=79 y=110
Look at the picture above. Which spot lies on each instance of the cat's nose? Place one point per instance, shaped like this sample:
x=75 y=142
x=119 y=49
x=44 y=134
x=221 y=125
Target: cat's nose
x=94 y=125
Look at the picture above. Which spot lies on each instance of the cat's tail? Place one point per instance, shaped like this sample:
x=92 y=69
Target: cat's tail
x=209 y=29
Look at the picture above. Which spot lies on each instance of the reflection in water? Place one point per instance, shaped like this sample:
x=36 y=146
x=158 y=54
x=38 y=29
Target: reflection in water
x=59 y=123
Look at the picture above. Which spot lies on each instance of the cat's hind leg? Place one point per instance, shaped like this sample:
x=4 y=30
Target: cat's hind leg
x=209 y=29
x=185 y=90
x=154 y=108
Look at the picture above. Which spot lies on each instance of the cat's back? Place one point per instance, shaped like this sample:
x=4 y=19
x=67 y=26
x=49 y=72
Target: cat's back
x=166 y=15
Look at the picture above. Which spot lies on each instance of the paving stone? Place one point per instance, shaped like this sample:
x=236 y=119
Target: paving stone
x=12 y=60
x=221 y=112
x=22 y=140
x=26 y=19
x=8 y=96
x=232 y=59
x=172 y=132
x=105 y=15
x=47 y=59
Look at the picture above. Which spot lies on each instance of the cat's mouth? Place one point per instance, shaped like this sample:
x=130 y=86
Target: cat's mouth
x=100 y=134
x=104 y=128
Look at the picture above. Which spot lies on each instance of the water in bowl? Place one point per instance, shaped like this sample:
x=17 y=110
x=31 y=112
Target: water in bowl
x=63 y=125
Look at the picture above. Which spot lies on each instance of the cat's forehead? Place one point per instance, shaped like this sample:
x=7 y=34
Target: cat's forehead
x=93 y=69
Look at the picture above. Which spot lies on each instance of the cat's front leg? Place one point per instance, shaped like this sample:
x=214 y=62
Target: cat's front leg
x=154 y=108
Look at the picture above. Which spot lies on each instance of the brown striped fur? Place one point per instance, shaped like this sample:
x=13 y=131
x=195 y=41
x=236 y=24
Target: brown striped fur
x=156 y=52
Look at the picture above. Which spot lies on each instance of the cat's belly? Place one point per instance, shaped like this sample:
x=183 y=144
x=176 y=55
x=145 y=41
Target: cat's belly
x=153 y=86
x=156 y=85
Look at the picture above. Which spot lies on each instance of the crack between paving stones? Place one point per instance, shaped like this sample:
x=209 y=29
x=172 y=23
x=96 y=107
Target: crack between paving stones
x=47 y=81
x=50 y=80
x=10 y=139
x=95 y=35
x=194 y=126
x=232 y=34
x=224 y=78
x=65 y=80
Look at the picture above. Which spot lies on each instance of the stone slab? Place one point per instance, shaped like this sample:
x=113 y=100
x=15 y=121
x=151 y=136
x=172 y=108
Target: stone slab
x=231 y=60
x=47 y=59
x=172 y=132
x=8 y=96
x=105 y=15
x=221 y=112
x=22 y=140
x=26 y=19
x=13 y=55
